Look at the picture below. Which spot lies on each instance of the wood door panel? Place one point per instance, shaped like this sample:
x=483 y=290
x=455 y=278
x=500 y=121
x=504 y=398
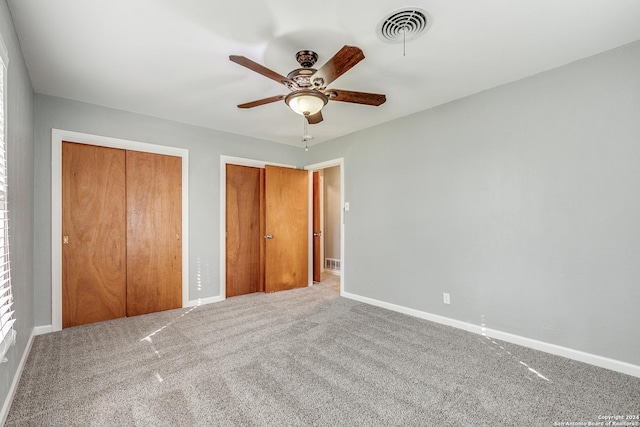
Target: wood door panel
x=93 y=219
x=154 y=232
x=244 y=244
x=263 y=218
x=287 y=217
x=317 y=230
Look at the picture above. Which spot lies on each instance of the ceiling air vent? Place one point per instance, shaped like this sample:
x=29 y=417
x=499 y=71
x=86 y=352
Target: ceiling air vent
x=404 y=25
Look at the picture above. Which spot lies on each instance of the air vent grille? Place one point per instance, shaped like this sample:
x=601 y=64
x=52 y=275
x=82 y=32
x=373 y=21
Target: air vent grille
x=404 y=25
x=332 y=264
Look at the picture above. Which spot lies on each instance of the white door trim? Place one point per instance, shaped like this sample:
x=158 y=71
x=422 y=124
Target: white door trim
x=239 y=161
x=311 y=169
x=57 y=136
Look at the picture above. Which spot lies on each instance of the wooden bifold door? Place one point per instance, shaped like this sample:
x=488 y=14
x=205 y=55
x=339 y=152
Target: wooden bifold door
x=121 y=226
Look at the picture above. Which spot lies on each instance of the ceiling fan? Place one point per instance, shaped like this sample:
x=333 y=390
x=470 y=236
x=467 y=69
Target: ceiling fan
x=308 y=86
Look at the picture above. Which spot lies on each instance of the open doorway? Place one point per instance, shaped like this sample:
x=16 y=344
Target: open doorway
x=327 y=223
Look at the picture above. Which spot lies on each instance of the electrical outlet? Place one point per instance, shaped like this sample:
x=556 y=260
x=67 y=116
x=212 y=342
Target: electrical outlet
x=446 y=298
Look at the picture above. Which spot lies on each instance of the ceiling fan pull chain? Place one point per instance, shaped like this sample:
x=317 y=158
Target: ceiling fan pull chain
x=305 y=134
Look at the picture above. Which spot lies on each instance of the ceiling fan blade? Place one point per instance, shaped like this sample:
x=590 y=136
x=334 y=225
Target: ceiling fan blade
x=262 y=101
x=374 y=99
x=341 y=62
x=315 y=118
x=260 y=69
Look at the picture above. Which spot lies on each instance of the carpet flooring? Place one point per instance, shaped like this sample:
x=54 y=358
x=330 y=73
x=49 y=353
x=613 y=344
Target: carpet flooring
x=304 y=357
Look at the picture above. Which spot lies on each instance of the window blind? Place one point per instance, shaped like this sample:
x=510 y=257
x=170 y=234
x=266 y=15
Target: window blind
x=7 y=333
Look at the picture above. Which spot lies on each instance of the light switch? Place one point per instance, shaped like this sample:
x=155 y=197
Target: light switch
x=346 y=206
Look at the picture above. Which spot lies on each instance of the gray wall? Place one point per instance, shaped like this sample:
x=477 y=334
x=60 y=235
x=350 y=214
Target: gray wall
x=20 y=149
x=522 y=202
x=205 y=147
x=332 y=210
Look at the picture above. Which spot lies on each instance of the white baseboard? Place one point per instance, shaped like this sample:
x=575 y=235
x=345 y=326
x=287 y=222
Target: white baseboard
x=593 y=359
x=16 y=379
x=41 y=330
x=203 y=301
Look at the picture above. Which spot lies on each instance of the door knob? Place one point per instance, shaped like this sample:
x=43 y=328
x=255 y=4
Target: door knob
x=318 y=234
x=268 y=236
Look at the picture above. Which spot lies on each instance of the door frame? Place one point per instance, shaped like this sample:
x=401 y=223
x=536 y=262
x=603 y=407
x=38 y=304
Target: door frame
x=57 y=136
x=321 y=209
x=316 y=167
x=321 y=222
x=239 y=161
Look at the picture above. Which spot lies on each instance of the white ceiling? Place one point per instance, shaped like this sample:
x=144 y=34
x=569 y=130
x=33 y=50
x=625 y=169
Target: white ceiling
x=169 y=58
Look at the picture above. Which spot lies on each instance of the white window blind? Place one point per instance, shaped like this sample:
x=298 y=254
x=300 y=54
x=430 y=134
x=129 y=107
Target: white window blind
x=7 y=333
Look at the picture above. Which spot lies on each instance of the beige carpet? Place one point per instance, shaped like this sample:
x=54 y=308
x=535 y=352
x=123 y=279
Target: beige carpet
x=303 y=358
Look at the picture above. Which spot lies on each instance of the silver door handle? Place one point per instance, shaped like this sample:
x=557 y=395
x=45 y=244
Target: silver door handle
x=318 y=234
x=268 y=236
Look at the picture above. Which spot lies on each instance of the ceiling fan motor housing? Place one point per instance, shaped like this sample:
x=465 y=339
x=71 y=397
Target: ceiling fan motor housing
x=301 y=77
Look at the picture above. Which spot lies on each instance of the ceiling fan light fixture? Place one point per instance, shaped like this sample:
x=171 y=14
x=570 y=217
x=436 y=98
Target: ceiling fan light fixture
x=306 y=102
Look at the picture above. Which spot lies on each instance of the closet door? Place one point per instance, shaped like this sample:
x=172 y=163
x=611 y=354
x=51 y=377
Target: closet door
x=94 y=234
x=245 y=230
x=154 y=232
